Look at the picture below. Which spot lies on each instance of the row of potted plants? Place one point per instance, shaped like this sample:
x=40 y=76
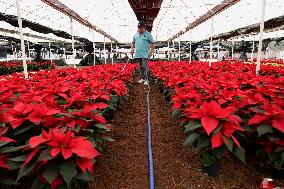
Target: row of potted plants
x=52 y=125
x=12 y=67
x=227 y=108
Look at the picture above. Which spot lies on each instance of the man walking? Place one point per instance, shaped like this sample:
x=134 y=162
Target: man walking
x=143 y=42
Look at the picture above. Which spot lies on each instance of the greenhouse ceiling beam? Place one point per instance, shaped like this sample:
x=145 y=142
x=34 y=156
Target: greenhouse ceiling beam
x=69 y=12
x=29 y=35
x=211 y=13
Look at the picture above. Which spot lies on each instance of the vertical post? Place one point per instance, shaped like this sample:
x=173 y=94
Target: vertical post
x=49 y=45
x=174 y=48
x=94 y=46
x=253 y=47
x=218 y=49
x=73 y=45
x=233 y=44
x=179 y=48
x=260 y=36
x=211 y=43
x=28 y=46
x=190 y=52
x=111 y=52
x=105 y=48
x=168 y=50
x=24 y=56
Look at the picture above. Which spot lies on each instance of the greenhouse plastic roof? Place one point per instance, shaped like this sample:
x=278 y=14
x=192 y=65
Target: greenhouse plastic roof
x=118 y=19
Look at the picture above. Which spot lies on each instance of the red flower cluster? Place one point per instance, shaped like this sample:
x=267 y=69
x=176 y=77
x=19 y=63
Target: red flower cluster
x=221 y=104
x=12 y=67
x=56 y=117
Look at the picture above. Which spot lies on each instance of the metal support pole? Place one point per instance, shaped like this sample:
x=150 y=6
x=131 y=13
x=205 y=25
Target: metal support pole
x=168 y=50
x=179 y=48
x=174 y=48
x=105 y=48
x=94 y=46
x=28 y=47
x=24 y=56
x=218 y=49
x=49 y=45
x=111 y=52
x=253 y=47
x=211 y=43
x=73 y=45
x=260 y=36
x=233 y=44
x=190 y=52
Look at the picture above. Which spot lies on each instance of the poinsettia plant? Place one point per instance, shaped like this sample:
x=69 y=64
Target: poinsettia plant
x=52 y=124
x=227 y=107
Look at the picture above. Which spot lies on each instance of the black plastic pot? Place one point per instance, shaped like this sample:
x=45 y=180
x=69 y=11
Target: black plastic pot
x=211 y=170
x=277 y=173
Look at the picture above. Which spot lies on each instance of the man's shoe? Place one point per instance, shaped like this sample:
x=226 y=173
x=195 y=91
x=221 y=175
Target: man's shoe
x=141 y=81
x=146 y=83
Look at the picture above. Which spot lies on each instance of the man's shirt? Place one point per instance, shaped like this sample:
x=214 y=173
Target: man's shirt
x=142 y=44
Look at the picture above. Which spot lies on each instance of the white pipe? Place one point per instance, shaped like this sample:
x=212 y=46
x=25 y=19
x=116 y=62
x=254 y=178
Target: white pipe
x=211 y=43
x=73 y=45
x=94 y=46
x=28 y=47
x=179 y=49
x=218 y=49
x=168 y=50
x=111 y=52
x=49 y=51
x=253 y=47
x=260 y=36
x=233 y=44
x=24 y=56
x=190 y=44
x=174 y=49
x=105 y=48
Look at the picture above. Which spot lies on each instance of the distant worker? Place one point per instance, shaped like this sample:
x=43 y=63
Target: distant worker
x=143 y=42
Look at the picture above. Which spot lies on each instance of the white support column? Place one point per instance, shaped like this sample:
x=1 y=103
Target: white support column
x=218 y=49
x=28 y=47
x=24 y=56
x=49 y=45
x=174 y=48
x=105 y=48
x=94 y=46
x=111 y=52
x=211 y=43
x=190 y=52
x=233 y=44
x=253 y=47
x=168 y=50
x=179 y=48
x=260 y=36
x=73 y=44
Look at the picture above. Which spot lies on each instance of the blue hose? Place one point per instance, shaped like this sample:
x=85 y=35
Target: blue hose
x=151 y=163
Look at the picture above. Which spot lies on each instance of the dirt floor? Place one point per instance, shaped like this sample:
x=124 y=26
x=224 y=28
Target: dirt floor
x=125 y=161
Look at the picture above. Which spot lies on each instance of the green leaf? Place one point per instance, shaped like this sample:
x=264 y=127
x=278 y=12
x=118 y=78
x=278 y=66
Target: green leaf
x=203 y=142
x=8 y=181
x=192 y=125
x=3 y=143
x=22 y=129
x=217 y=130
x=25 y=170
x=101 y=126
x=219 y=152
x=282 y=155
x=264 y=129
x=228 y=142
x=108 y=139
x=45 y=155
x=12 y=149
x=51 y=172
x=240 y=153
x=175 y=112
x=19 y=159
x=38 y=185
x=68 y=171
x=191 y=139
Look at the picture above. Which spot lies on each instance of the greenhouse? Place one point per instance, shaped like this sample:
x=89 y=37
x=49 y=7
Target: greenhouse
x=136 y=94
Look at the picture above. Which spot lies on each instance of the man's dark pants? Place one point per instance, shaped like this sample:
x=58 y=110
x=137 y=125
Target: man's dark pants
x=144 y=68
